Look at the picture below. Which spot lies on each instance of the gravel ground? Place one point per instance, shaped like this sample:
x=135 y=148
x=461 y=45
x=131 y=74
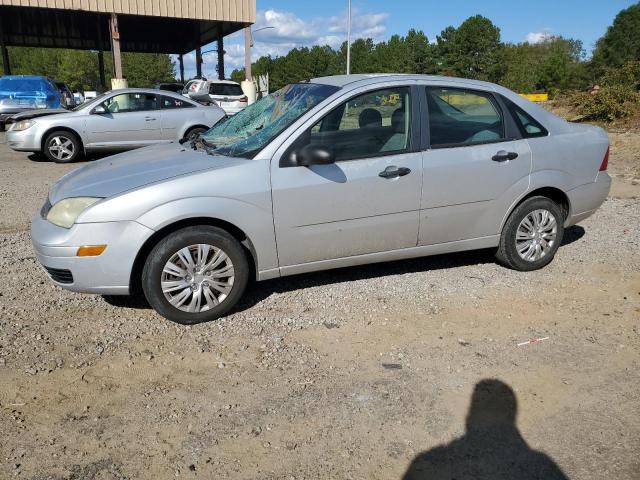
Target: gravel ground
x=353 y=373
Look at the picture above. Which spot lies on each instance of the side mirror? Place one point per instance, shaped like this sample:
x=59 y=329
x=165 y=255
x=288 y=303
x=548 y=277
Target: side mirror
x=99 y=110
x=313 y=155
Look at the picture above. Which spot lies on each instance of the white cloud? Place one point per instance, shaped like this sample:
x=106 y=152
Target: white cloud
x=539 y=37
x=288 y=31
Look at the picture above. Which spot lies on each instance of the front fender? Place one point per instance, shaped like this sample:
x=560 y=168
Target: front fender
x=256 y=223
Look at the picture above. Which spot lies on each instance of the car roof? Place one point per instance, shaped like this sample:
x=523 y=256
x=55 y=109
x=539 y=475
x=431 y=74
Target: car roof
x=228 y=82
x=371 y=78
x=152 y=91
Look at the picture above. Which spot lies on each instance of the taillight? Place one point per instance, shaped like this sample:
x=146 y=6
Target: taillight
x=244 y=99
x=605 y=161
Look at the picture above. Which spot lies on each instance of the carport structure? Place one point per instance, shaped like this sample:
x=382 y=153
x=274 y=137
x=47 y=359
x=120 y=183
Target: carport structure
x=151 y=26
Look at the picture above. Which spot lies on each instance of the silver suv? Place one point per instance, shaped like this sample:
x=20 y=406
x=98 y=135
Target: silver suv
x=333 y=172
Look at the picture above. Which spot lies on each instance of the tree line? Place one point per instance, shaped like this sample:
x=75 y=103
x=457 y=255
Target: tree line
x=473 y=50
x=79 y=68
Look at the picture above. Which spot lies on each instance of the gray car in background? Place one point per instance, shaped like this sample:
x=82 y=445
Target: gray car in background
x=117 y=120
x=333 y=172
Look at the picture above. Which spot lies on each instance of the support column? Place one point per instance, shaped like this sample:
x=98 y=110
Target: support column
x=220 y=58
x=181 y=60
x=198 y=61
x=6 y=66
x=103 y=81
x=247 y=53
x=118 y=81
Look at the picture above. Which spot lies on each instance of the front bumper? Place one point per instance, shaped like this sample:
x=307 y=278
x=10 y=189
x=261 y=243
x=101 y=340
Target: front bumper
x=24 y=140
x=108 y=273
x=586 y=199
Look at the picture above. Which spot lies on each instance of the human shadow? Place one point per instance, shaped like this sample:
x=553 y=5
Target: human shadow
x=492 y=447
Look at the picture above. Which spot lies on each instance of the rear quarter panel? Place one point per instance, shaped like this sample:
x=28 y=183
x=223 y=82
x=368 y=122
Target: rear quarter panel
x=571 y=158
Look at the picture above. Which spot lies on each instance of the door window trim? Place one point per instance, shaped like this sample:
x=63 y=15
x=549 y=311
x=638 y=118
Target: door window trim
x=414 y=125
x=510 y=131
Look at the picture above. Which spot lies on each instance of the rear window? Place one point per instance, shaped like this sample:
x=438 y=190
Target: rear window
x=170 y=103
x=528 y=126
x=226 y=89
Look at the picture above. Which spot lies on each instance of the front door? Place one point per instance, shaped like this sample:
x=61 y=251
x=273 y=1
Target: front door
x=475 y=168
x=131 y=120
x=368 y=200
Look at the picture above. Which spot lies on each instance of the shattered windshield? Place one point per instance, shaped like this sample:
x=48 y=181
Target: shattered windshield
x=250 y=130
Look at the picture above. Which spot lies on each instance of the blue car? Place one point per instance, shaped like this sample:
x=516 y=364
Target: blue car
x=24 y=92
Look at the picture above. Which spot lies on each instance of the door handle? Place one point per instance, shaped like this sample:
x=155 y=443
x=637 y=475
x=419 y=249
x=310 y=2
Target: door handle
x=394 y=172
x=503 y=156
x=149 y=119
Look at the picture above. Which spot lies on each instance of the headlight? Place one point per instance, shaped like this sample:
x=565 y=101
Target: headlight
x=22 y=125
x=65 y=212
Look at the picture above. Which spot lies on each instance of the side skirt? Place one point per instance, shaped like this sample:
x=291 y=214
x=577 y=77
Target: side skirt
x=423 y=251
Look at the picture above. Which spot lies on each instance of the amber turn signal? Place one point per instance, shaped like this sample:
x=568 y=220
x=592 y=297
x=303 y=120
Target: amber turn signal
x=91 y=250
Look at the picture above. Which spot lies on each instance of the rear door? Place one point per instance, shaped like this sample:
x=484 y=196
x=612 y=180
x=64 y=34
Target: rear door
x=368 y=200
x=131 y=120
x=475 y=164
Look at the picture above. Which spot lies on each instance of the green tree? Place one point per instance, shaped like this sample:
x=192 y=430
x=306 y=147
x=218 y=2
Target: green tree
x=549 y=66
x=473 y=50
x=79 y=68
x=621 y=43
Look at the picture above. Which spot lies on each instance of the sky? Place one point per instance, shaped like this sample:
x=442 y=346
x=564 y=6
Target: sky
x=323 y=22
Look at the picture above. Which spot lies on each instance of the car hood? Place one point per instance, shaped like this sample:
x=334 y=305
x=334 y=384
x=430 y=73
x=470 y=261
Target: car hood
x=38 y=113
x=127 y=171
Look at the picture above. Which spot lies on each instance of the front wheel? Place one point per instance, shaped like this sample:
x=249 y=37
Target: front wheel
x=532 y=235
x=195 y=275
x=194 y=133
x=62 y=147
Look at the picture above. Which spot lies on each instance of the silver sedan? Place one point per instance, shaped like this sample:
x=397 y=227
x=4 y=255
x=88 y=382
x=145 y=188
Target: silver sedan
x=334 y=172
x=118 y=120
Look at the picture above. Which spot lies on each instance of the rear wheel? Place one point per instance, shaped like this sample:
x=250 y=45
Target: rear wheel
x=532 y=235
x=62 y=147
x=195 y=275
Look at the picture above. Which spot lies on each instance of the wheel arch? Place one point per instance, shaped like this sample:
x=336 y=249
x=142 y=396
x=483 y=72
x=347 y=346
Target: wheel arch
x=50 y=130
x=191 y=127
x=233 y=230
x=552 y=193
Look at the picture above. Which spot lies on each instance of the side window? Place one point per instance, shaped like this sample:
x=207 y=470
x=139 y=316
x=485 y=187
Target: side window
x=528 y=126
x=373 y=124
x=171 y=103
x=460 y=117
x=131 y=102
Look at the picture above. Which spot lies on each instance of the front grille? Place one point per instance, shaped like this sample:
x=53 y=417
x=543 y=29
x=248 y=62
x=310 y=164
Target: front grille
x=60 y=275
x=44 y=211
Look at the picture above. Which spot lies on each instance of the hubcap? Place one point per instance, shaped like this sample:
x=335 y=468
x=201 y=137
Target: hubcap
x=61 y=148
x=536 y=235
x=197 y=278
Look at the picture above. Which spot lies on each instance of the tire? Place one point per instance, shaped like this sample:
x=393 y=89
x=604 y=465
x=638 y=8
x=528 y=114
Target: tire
x=62 y=146
x=193 y=132
x=216 y=295
x=531 y=244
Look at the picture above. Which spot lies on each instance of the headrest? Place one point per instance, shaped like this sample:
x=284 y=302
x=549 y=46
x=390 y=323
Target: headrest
x=398 y=121
x=370 y=117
